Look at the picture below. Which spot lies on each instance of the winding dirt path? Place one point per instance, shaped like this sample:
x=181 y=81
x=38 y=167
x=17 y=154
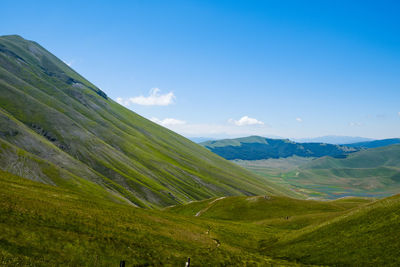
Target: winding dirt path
x=209 y=206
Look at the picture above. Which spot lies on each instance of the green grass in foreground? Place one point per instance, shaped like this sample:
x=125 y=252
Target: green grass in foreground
x=42 y=225
x=368 y=236
x=343 y=232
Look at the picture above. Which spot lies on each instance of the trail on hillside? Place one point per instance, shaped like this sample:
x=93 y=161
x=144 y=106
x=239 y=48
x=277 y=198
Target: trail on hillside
x=209 y=206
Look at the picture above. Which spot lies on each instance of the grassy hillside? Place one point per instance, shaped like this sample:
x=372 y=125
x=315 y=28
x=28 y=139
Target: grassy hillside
x=373 y=172
x=262 y=208
x=257 y=148
x=54 y=115
x=344 y=232
x=43 y=225
x=372 y=232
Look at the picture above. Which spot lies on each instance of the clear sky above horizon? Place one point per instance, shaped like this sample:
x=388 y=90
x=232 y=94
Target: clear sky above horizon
x=232 y=68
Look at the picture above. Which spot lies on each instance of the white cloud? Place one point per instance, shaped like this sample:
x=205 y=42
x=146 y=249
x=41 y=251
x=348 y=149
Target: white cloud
x=354 y=124
x=398 y=113
x=246 y=120
x=213 y=129
x=168 y=121
x=155 y=98
x=299 y=119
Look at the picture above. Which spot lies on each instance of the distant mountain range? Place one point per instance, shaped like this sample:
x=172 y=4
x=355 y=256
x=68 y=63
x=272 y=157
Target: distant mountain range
x=257 y=147
x=333 y=139
x=375 y=143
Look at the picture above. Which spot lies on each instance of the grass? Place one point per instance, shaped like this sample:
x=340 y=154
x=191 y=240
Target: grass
x=367 y=236
x=343 y=232
x=43 y=225
x=262 y=208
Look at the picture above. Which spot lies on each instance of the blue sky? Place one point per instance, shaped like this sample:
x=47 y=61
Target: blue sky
x=232 y=68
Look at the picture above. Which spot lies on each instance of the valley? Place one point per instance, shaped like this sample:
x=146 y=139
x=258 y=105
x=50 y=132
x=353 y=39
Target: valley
x=370 y=171
x=85 y=181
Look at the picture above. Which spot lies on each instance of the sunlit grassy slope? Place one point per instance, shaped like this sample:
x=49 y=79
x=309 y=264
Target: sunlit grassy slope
x=58 y=128
x=343 y=232
x=43 y=225
x=368 y=236
x=262 y=208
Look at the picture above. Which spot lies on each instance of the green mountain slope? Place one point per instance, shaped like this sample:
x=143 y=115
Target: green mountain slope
x=371 y=172
x=257 y=148
x=52 y=116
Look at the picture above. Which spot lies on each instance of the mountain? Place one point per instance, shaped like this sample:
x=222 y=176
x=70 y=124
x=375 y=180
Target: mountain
x=58 y=128
x=257 y=148
x=375 y=143
x=333 y=139
x=372 y=172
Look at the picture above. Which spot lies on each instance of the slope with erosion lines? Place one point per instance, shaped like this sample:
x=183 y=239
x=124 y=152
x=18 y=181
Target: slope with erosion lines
x=51 y=112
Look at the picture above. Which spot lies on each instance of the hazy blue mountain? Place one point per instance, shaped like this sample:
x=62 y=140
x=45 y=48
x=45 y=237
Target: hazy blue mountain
x=333 y=139
x=256 y=148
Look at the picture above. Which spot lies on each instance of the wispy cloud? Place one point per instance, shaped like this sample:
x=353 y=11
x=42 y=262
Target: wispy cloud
x=213 y=129
x=398 y=113
x=299 y=119
x=155 y=98
x=246 y=120
x=168 y=121
x=355 y=124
